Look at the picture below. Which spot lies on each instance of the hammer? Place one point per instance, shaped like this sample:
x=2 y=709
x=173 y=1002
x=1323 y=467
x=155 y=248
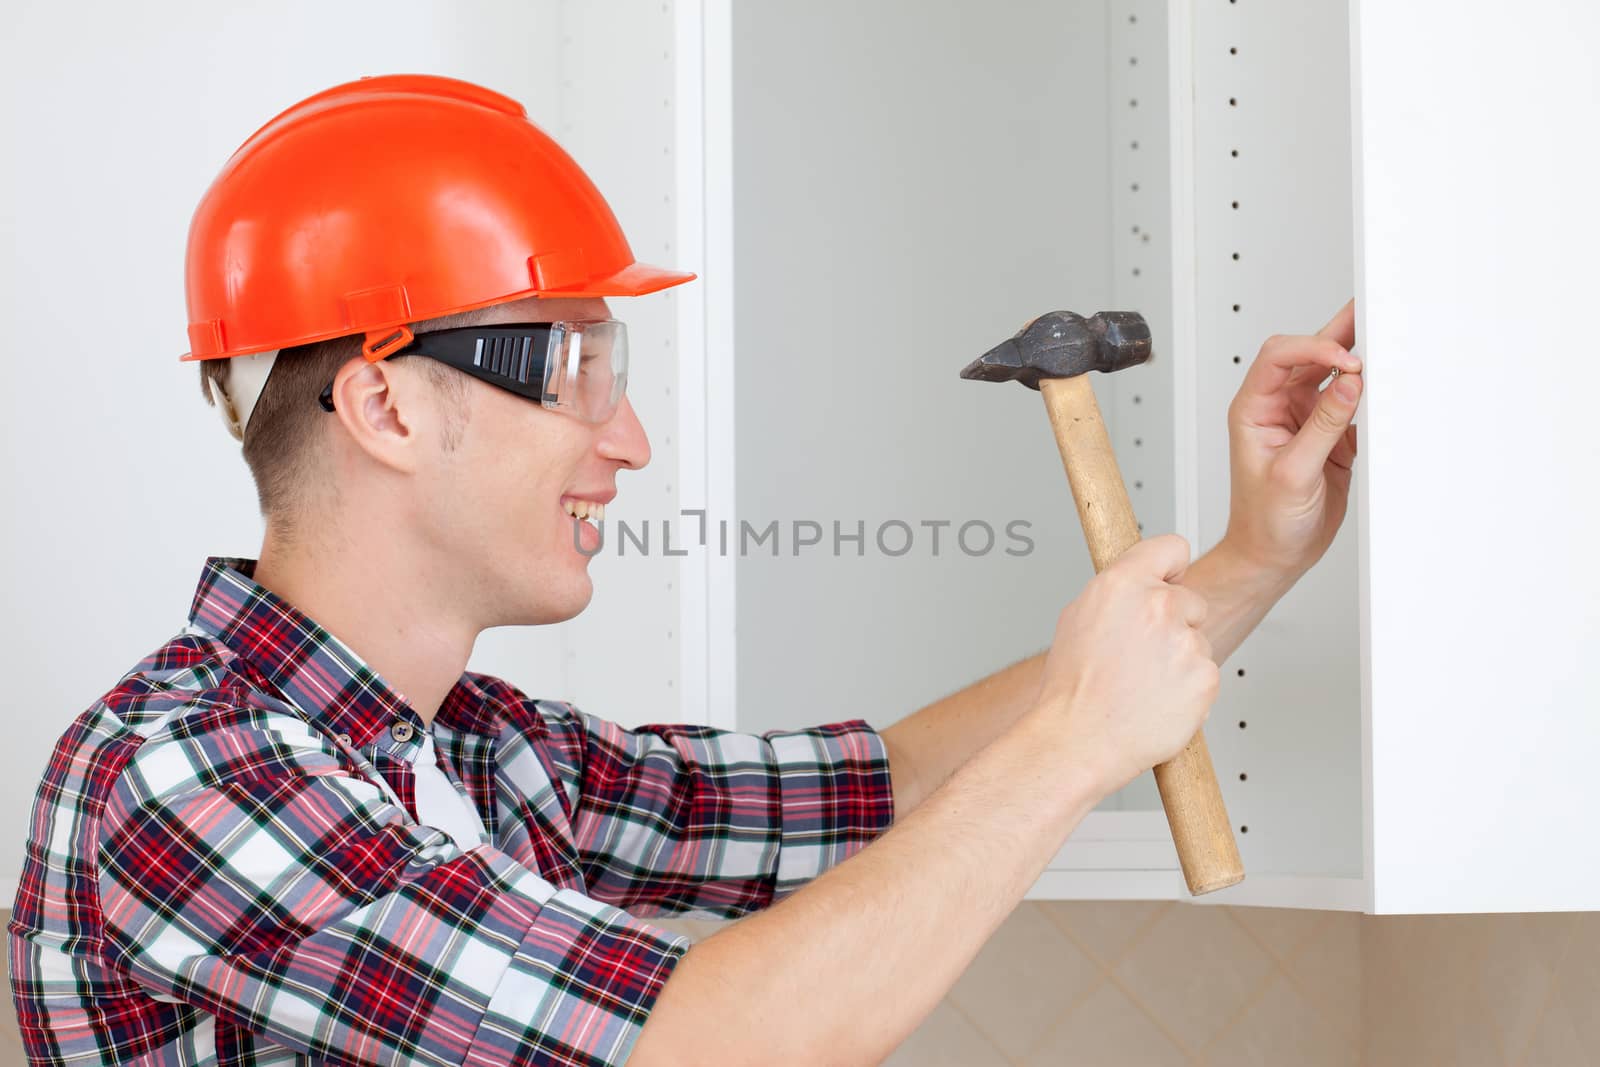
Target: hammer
x=1054 y=354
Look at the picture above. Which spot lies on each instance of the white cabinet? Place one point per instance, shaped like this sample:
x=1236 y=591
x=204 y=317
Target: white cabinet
x=1478 y=224
x=886 y=190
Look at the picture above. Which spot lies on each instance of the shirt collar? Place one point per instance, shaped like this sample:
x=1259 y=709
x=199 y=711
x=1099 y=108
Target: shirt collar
x=319 y=674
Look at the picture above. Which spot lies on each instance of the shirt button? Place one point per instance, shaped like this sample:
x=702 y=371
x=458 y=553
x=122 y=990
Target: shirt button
x=345 y=738
x=401 y=731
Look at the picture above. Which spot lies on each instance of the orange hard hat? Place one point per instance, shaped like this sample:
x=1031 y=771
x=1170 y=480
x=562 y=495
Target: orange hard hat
x=390 y=200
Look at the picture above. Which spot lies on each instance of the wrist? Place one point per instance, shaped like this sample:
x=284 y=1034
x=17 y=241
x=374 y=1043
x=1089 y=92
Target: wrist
x=1239 y=591
x=1251 y=572
x=1088 y=773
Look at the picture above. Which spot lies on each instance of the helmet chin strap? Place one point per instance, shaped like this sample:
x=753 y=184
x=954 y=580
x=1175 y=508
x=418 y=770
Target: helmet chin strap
x=246 y=377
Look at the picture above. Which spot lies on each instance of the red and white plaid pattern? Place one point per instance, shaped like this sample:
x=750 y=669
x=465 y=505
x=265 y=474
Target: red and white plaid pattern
x=214 y=874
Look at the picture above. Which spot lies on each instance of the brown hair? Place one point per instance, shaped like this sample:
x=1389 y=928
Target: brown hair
x=283 y=440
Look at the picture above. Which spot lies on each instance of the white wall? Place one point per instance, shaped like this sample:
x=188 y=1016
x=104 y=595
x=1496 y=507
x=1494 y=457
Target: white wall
x=121 y=479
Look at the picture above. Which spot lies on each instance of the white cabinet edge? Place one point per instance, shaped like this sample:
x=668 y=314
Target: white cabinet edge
x=1321 y=894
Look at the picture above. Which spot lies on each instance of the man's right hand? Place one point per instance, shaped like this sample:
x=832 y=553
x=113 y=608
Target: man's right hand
x=1129 y=677
x=845 y=968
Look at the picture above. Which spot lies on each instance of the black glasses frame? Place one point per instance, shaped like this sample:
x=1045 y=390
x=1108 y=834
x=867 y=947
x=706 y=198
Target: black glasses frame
x=511 y=356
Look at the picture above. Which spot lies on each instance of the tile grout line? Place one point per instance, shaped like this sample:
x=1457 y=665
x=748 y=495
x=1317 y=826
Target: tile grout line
x=1327 y=918
x=1356 y=1040
x=972 y=1021
x=1134 y=939
x=1360 y=983
x=1143 y=932
x=1479 y=959
x=1066 y=1013
x=1138 y=937
x=1550 y=994
x=1257 y=996
x=1183 y=1046
x=1538 y=1020
x=1278 y=969
x=1080 y=1001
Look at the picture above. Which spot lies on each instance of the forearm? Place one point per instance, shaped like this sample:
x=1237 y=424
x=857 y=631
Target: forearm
x=871 y=946
x=926 y=747
x=1238 y=595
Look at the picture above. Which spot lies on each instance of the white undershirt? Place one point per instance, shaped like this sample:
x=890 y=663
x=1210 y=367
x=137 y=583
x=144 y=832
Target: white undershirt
x=440 y=805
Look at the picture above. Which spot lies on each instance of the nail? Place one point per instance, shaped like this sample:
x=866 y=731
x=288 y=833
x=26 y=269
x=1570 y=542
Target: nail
x=1347 y=387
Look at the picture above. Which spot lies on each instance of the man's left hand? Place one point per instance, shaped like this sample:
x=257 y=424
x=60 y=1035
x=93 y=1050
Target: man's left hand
x=1292 y=448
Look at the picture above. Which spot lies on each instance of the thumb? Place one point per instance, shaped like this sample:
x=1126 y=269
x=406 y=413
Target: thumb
x=1162 y=559
x=1303 y=458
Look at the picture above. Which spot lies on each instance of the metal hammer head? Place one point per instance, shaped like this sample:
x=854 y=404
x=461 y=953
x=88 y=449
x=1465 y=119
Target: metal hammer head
x=1060 y=344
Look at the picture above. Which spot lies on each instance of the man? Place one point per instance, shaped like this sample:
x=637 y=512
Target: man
x=300 y=831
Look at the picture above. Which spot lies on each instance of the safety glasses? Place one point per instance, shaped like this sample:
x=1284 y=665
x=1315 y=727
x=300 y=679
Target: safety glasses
x=579 y=368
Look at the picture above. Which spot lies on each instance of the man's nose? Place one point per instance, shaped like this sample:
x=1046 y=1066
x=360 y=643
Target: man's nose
x=623 y=438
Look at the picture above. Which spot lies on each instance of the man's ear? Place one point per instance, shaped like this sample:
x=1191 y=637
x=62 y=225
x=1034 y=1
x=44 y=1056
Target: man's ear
x=382 y=407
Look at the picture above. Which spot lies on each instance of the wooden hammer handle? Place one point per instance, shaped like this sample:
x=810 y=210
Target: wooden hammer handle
x=1188 y=783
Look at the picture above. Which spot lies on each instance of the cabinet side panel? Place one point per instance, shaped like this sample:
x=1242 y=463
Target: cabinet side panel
x=1479 y=169
x=1273 y=255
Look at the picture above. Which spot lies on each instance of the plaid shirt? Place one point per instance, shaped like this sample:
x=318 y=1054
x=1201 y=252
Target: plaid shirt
x=224 y=864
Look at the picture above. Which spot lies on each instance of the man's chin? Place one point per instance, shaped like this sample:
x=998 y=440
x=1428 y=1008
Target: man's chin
x=568 y=602
x=543 y=601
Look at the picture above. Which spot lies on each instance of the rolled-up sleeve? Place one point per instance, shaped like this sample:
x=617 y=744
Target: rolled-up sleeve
x=686 y=819
x=295 y=901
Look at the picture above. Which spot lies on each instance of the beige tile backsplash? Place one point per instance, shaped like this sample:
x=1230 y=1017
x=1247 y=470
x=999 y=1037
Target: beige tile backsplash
x=1152 y=985
x=1141 y=983
x=1148 y=985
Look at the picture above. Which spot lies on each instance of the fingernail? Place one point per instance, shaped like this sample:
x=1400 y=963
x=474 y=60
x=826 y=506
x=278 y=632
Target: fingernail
x=1347 y=387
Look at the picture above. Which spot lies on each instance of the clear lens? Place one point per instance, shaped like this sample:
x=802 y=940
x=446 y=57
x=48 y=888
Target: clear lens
x=586 y=369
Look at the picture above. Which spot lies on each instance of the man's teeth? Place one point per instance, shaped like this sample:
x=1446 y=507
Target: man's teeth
x=585 y=509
